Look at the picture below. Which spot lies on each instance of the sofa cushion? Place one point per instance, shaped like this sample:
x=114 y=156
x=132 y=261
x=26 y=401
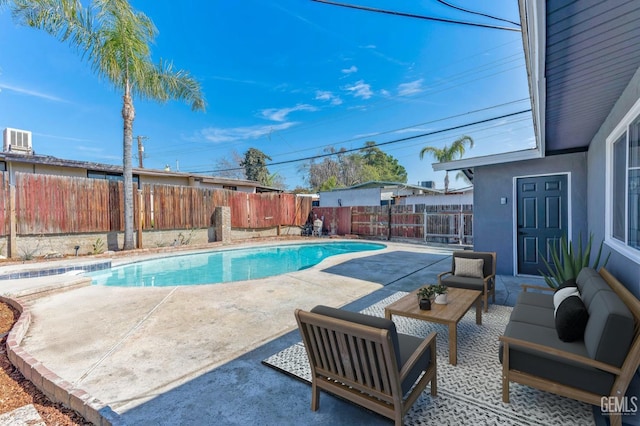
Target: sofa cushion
x=532 y=314
x=550 y=367
x=468 y=267
x=571 y=315
x=584 y=276
x=610 y=329
x=591 y=286
x=544 y=300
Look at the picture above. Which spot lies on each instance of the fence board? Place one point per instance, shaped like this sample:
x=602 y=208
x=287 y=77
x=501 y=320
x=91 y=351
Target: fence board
x=337 y=220
x=4 y=204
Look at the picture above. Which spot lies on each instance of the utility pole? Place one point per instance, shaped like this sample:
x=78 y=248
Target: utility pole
x=140 y=150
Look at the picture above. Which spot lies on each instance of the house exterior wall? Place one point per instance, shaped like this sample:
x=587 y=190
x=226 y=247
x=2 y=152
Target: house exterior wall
x=493 y=223
x=351 y=197
x=626 y=269
x=47 y=170
x=438 y=200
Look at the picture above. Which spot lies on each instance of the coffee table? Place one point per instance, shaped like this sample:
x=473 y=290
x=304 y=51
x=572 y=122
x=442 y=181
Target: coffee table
x=460 y=301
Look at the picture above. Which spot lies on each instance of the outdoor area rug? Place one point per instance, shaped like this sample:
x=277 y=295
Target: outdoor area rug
x=470 y=392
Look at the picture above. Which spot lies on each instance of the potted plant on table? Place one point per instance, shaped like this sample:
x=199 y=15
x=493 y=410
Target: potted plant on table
x=424 y=297
x=440 y=292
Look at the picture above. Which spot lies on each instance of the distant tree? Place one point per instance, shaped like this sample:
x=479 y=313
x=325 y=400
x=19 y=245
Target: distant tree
x=384 y=166
x=115 y=39
x=329 y=184
x=448 y=153
x=255 y=165
x=275 y=180
x=302 y=190
x=319 y=172
x=340 y=169
x=229 y=167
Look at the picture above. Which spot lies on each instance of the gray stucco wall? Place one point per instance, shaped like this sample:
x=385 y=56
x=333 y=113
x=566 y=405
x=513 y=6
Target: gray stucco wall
x=622 y=267
x=493 y=224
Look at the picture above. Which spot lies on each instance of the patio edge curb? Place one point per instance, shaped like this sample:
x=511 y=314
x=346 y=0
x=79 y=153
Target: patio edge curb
x=50 y=384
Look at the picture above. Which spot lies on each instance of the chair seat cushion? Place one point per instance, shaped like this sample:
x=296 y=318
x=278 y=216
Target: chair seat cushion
x=408 y=345
x=463 y=282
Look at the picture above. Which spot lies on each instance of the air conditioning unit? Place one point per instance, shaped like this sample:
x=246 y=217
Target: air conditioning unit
x=17 y=141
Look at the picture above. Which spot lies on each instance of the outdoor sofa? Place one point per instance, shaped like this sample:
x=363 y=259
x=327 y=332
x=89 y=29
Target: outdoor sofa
x=600 y=352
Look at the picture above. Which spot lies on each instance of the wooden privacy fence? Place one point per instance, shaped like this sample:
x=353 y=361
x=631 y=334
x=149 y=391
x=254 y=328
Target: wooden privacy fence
x=40 y=204
x=48 y=204
x=442 y=223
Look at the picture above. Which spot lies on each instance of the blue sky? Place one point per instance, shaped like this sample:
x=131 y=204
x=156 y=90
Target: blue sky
x=289 y=78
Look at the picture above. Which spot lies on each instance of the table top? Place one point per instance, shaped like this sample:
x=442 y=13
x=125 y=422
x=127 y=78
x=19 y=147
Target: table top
x=460 y=300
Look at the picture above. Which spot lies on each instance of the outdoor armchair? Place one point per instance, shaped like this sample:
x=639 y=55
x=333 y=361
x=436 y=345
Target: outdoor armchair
x=363 y=359
x=475 y=270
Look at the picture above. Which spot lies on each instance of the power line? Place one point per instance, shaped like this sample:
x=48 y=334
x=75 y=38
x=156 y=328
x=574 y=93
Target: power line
x=477 y=13
x=435 y=132
x=396 y=130
x=448 y=83
x=412 y=15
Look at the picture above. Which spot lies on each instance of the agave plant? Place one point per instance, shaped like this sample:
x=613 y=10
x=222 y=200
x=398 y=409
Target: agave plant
x=568 y=263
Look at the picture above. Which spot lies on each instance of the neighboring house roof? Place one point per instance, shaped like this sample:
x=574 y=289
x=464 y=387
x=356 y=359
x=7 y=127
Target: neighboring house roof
x=110 y=168
x=580 y=56
x=384 y=184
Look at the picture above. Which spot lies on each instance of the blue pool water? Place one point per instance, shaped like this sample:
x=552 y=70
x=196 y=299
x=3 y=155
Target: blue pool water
x=224 y=266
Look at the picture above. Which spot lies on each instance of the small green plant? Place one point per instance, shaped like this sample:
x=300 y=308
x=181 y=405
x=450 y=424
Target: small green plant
x=569 y=262
x=97 y=246
x=184 y=241
x=28 y=253
x=431 y=290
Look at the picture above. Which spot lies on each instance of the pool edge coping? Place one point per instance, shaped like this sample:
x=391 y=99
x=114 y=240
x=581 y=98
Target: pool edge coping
x=54 y=387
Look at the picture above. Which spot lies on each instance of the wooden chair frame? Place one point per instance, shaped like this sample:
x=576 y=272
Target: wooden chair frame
x=358 y=363
x=623 y=374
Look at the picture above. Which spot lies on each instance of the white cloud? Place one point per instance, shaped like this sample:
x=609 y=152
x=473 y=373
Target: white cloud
x=350 y=70
x=323 y=95
x=360 y=90
x=411 y=88
x=217 y=134
x=32 y=93
x=413 y=130
x=385 y=92
x=280 y=114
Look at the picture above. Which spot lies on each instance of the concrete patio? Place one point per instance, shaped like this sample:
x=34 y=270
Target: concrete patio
x=192 y=355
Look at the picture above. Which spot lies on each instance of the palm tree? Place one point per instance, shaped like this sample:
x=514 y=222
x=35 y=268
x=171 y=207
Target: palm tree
x=448 y=153
x=115 y=39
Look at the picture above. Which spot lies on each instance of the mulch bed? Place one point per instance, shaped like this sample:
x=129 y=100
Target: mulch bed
x=16 y=391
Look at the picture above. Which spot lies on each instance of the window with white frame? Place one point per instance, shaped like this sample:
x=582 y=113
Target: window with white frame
x=624 y=182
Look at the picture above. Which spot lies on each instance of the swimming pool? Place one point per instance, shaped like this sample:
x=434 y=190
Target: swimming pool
x=224 y=265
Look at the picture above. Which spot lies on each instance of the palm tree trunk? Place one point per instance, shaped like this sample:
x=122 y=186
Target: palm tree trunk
x=446 y=180
x=128 y=115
